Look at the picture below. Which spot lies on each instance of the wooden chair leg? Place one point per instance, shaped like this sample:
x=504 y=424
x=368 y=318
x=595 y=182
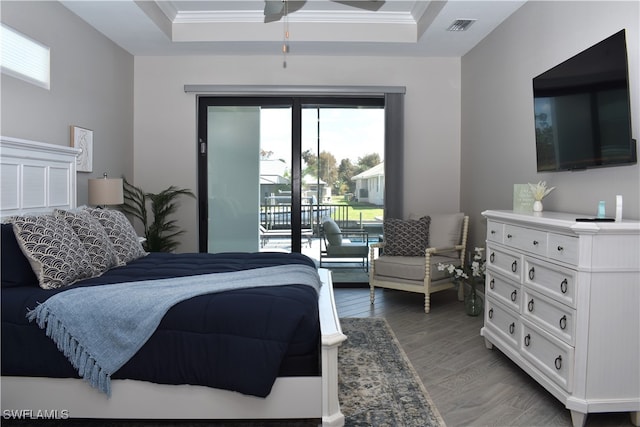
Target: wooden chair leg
x=372 y=294
x=427 y=303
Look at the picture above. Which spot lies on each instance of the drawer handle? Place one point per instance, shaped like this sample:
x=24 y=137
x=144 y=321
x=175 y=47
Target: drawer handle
x=532 y=273
x=563 y=286
x=563 y=322
x=530 y=305
x=509 y=236
x=535 y=243
x=527 y=340
x=514 y=295
x=560 y=249
x=514 y=266
x=493 y=231
x=558 y=362
x=512 y=328
x=492 y=257
x=492 y=283
x=491 y=313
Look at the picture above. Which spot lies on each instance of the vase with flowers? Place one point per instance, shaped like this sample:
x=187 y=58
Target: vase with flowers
x=471 y=274
x=539 y=192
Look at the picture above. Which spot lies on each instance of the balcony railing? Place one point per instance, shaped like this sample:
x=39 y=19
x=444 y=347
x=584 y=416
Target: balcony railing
x=278 y=217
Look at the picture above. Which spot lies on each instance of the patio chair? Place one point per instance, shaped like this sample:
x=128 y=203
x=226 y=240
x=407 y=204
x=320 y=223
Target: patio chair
x=343 y=245
x=446 y=243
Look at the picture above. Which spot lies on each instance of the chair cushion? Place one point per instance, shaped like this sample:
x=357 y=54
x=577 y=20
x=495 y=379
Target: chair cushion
x=348 y=249
x=410 y=268
x=406 y=237
x=332 y=231
x=445 y=230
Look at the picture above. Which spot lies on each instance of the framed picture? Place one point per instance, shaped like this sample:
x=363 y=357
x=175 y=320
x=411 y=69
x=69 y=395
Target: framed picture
x=83 y=139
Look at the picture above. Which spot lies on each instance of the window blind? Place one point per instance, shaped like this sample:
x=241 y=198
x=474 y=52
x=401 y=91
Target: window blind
x=24 y=58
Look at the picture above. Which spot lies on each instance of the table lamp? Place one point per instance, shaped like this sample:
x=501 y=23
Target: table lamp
x=106 y=191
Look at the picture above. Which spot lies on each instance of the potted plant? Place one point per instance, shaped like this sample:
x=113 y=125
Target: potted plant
x=160 y=231
x=472 y=274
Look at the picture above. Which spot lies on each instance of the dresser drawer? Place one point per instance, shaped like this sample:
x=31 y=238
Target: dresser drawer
x=503 y=321
x=550 y=315
x=526 y=239
x=506 y=262
x=495 y=231
x=553 y=280
x=505 y=290
x=554 y=358
x=563 y=248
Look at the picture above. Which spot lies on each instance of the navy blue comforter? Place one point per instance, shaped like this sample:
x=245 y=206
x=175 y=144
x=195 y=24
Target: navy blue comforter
x=221 y=340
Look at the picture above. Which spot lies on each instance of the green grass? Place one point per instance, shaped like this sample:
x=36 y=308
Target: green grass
x=369 y=212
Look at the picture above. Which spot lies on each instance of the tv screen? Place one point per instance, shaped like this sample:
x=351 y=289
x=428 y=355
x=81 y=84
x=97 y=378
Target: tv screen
x=583 y=112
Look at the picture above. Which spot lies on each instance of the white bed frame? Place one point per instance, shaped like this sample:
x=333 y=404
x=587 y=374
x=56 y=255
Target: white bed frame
x=37 y=177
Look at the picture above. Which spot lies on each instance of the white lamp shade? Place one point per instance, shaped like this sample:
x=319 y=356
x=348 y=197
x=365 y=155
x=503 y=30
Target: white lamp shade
x=106 y=191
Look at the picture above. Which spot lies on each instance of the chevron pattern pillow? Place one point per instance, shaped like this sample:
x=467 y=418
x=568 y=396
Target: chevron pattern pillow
x=55 y=252
x=121 y=233
x=94 y=238
x=406 y=237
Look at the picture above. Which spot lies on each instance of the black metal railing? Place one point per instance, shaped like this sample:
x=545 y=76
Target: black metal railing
x=278 y=217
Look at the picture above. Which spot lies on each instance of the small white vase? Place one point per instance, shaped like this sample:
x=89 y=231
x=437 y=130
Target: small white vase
x=537 y=206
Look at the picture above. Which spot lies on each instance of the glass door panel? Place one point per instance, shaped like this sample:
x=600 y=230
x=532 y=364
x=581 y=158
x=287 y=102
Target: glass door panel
x=233 y=173
x=275 y=179
x=343 y=175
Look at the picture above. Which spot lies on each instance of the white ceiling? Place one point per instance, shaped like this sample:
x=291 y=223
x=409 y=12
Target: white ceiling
x=320 y=27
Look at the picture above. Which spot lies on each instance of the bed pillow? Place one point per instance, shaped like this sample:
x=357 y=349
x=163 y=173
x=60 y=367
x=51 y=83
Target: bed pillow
x=56 y=254
x=406 y=237
x=121 y=233
x=15 y=267
x=94 y=238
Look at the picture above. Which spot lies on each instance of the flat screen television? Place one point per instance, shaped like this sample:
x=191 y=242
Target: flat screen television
x=583 y=110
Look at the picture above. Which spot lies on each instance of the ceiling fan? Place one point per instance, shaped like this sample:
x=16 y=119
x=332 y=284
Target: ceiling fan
x=274 y=10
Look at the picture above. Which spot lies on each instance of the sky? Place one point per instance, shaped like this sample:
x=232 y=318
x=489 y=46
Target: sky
x=345 y=133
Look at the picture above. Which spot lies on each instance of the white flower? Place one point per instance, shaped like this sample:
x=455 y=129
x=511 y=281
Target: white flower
x=540 y=190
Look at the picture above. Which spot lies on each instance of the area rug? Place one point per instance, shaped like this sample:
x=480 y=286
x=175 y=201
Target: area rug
x=378 y=387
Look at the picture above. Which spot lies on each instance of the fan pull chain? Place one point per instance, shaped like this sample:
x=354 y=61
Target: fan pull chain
x=285 y=41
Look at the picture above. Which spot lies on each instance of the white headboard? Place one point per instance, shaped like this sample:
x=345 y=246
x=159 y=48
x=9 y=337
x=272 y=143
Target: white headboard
x=36 y=176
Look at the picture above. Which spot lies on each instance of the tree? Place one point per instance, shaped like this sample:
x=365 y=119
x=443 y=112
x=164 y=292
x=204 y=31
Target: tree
x=346 y=171
x=323 y=166
x=367 y=162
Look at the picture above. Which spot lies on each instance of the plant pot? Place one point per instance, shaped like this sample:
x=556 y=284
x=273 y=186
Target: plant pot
x=537 y=206
x=473 y=303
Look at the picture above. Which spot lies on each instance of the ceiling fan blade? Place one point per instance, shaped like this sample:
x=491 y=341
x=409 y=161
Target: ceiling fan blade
x=371 y=5
x=274 y=10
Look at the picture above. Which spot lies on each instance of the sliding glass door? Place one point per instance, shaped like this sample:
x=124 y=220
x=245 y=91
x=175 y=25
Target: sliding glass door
x=271 y=168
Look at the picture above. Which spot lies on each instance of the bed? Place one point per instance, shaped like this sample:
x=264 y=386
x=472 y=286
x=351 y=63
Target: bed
x=39 y=177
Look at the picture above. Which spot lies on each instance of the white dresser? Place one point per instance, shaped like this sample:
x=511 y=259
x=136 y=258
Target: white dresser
x=563 y=302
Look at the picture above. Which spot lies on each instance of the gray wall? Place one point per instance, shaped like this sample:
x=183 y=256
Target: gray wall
x=165 y=117
x=497 y=133
x=91 y=87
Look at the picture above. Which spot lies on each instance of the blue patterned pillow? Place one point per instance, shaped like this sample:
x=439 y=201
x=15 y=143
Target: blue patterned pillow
x=406 y=238
x=121 y=233
x=94 y=238
x=54 y=251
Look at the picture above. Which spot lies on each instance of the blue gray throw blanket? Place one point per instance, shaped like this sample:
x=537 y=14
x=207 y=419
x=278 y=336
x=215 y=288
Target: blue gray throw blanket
x=100 y=328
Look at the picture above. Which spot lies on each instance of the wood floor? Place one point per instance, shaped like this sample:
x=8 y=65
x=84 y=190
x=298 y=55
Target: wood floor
x=470 y=385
